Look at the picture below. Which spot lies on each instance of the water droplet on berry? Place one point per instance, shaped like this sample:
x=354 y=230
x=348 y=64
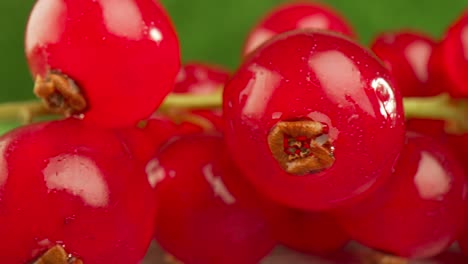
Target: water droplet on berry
x=155 y=35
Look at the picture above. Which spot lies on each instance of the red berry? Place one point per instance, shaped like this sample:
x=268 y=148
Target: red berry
x=407 y=54
x=199 y=78
x=64 y=183
x=450 y=60
x=313 y=120
x=122 y=55
x=428 y=127
x=309 y=232
x=459 y=145
x=204 y=215
x=145 y=141
x=419 y=212
x=293 y=16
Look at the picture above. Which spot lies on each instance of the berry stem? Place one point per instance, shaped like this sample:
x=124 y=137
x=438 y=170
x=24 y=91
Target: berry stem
x=440 y=107
x=23 y=112
x=184 y=101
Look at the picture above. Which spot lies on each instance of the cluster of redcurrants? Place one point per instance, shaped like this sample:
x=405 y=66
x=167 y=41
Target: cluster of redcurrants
x=309 y=150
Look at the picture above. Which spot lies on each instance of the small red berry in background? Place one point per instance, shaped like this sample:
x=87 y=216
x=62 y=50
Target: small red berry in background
x=200 y=78
x=296 y=16
x=450 y=60
x=315 y=233
x=204 y=214
x=203 y=79
x=112 y=61
x=419 y=212
x=407 y=54
x=68 y=184
x=308 y=116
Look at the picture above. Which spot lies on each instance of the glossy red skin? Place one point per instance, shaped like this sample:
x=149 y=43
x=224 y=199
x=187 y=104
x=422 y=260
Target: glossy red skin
x=107 y=217
x=429 y=127
x=308 y=232
x=307 y=74
x=144 y=144
x=407 y=54
x=450 y=59
x=203 y=79
x=459 y=146
x=419 y=212
x=124 y=67
x=200 y=78
x=196 y=223
x=293 y=16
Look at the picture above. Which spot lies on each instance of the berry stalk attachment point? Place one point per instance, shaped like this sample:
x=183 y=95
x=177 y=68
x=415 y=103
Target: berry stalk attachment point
x=440 y=107
x=57 y=255
x=60 y=94
x=301 y=147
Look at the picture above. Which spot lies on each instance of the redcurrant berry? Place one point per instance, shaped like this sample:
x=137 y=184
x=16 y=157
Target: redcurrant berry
x=428 y=127
x=293 y=16
x=64 y=183
x=450 y=60
x=419 y=212
x=204 y=215
x=144 y=141
x=113 y=61
x=313 y=120
x=309 y=232
x=406 y=54
x=201 y=78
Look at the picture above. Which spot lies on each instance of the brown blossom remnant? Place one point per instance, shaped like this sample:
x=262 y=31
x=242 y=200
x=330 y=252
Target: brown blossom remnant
x=57 y=255
x=60 y=94
x=301 y=147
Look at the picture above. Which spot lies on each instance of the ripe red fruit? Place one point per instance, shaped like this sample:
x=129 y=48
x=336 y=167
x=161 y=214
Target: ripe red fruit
x=419 y=212
x=203 y=79
x=293 y=16
x=200 y=78
x=313 y=120
x=309 y=232
x=204 y=214
x=123 y=67
x=450 y=60
x=406 y=54
x=64 y=183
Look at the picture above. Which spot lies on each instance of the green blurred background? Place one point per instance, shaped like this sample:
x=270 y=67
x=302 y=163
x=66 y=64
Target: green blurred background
x=213 y=30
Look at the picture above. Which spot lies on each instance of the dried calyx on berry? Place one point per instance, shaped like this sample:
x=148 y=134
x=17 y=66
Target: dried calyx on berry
x=57 y=255
x=301 y=147
x=60 y=94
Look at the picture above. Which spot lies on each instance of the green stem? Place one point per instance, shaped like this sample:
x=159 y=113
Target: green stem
x=183 y=101
x=441 y=107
